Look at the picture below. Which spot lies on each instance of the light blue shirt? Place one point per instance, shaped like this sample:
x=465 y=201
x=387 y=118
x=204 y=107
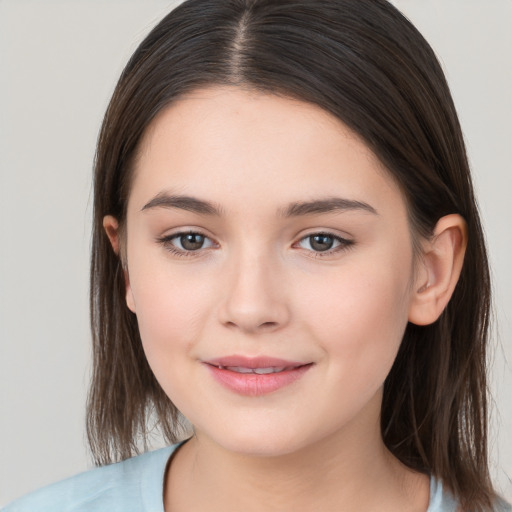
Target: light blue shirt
x=136 y=485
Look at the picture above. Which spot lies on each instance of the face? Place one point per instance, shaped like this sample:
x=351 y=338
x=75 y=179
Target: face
x=270 y=267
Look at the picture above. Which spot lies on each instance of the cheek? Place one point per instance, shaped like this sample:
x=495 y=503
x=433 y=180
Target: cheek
x=172 y=315
x=360 y=318
x=172 y=311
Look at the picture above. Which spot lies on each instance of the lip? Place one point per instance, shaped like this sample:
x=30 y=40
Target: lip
x=229 y=372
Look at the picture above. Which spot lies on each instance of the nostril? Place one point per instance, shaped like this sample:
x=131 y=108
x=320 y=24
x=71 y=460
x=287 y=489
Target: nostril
x=268 y=324
x=265 y=326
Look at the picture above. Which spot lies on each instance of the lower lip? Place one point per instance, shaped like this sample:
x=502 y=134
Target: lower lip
x=253 y=384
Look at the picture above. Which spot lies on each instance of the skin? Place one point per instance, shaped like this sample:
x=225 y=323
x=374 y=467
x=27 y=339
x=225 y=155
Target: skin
x=258 y=286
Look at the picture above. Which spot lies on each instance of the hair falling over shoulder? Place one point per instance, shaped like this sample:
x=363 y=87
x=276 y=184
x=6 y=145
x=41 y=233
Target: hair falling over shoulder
x=364 y=62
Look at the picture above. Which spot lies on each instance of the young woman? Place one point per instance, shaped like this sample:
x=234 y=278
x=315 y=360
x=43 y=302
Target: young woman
x=287 y=252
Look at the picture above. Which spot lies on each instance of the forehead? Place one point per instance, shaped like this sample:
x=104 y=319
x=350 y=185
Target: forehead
x=246 y=148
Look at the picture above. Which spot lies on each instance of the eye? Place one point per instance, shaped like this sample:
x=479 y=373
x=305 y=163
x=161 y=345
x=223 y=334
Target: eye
x=183 y=244
x=327 y=243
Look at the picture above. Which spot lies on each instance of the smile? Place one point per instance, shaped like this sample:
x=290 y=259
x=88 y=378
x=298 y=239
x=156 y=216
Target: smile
x=258 y=371
x=255 y=376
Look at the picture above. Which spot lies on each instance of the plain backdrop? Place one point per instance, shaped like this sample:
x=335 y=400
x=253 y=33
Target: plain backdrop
x=59 y=61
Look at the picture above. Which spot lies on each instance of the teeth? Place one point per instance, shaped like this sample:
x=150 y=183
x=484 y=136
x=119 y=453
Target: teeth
x=258 y=371
x=239 y=369
x=264 y=371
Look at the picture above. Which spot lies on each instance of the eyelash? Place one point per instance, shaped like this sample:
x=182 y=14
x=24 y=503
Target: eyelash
x=166 y=241
x=344 y=244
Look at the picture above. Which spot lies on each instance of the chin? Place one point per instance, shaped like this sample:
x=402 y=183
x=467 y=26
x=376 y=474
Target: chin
x=262 y=442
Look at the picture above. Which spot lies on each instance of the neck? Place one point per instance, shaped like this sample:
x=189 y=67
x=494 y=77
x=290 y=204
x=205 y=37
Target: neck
x=349 y=472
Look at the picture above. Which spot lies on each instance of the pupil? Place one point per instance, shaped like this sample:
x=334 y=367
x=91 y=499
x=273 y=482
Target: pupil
x=321 y=242
x=192 y=242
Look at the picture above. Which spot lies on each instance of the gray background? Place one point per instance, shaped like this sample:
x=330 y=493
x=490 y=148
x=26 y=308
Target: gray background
x=59 y=61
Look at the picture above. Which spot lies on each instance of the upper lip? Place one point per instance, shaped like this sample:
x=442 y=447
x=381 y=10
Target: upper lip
x=253 y=362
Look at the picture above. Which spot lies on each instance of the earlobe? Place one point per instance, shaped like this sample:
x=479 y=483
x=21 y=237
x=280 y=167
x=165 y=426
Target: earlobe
x=439 y=270
x=111 y=227
x=129 y=295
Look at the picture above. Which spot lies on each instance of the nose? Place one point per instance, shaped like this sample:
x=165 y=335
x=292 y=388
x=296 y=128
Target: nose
x=254 y=298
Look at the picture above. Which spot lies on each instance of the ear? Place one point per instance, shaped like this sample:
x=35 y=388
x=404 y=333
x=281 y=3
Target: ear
x=111 y=227
x=438 y=270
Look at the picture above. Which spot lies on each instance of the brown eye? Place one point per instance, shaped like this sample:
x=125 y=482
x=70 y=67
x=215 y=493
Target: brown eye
x=186 y=243
x=324 y=243
x=321 y=242
x=192 y=241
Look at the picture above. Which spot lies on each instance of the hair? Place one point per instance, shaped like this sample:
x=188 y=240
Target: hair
x=365 y=63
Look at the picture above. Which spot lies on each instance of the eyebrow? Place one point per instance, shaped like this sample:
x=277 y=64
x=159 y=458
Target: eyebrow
x=295 y=209
x=328 y=205
x=191 y=204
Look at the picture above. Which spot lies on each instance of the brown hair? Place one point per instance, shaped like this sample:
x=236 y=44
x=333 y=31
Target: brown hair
x=364 y=62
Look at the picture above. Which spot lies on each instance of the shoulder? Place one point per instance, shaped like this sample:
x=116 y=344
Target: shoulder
x=503 y=506
x=442 y=501
x=133 y=485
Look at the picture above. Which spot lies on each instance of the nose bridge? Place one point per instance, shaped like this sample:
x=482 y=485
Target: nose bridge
x=254 y=298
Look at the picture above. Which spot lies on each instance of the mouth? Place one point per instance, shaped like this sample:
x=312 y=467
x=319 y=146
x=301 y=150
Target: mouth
x=255 y=376
x=258 y=371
